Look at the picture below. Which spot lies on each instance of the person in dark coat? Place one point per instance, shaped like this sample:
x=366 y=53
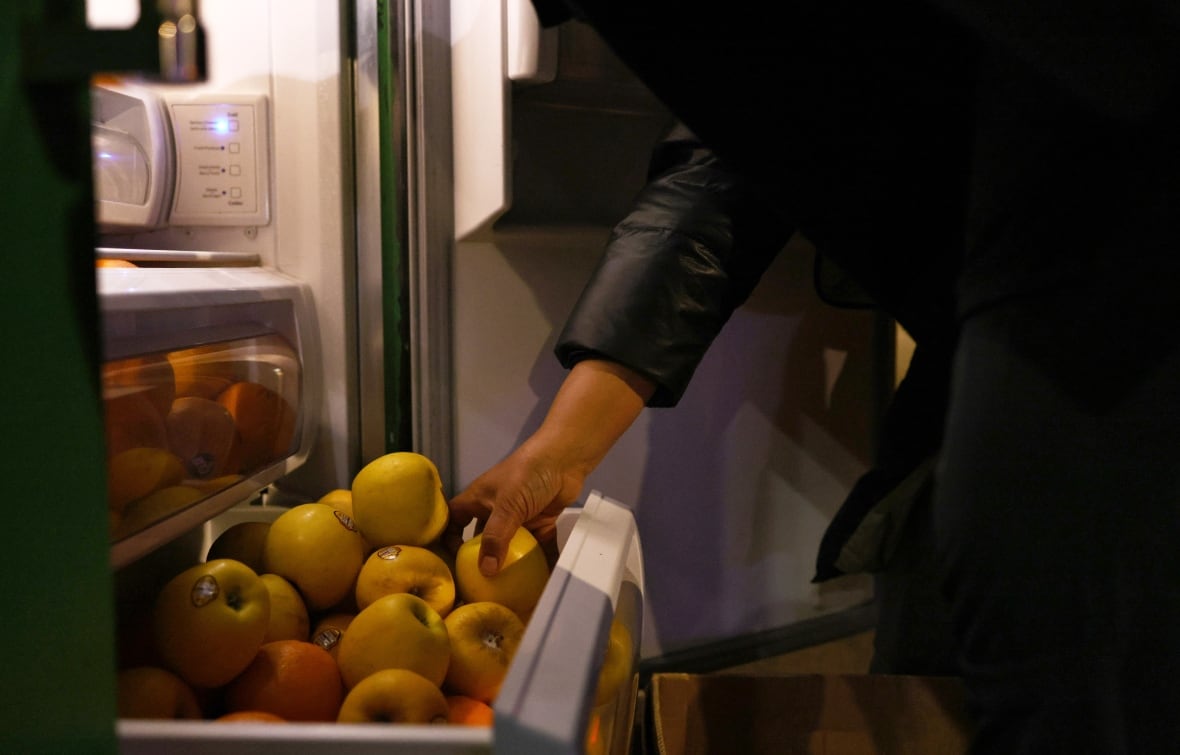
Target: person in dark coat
x=1019 y=164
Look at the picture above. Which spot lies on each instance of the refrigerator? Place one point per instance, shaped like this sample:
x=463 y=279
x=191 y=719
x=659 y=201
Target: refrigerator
x=417 y=193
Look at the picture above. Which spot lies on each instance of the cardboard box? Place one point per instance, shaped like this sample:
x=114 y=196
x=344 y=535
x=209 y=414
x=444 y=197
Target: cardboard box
x=816 y=714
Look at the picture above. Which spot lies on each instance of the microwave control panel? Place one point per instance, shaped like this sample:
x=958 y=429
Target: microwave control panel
x=222 y=161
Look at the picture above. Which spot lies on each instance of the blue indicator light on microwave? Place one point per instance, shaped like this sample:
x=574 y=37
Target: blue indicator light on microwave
x=221 y=125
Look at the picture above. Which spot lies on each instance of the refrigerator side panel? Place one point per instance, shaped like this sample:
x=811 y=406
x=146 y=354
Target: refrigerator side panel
x=314 y=227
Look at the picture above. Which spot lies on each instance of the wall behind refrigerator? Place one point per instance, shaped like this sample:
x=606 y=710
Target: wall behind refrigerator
x=733 y=488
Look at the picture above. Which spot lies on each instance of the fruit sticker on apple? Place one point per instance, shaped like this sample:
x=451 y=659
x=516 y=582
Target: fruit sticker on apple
x=210 y=620
x=406 y=568
x=319 y=550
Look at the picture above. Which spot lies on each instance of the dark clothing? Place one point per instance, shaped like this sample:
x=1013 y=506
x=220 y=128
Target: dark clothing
x=1056 y=505
x=1036 y=146
x=697 y=240
x=690 y=251
x=850 y=119
x=1058 y=523
x=701 y=234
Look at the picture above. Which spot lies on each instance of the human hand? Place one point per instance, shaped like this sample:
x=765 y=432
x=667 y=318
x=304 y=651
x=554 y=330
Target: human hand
x=596 y=403
x=527 y=489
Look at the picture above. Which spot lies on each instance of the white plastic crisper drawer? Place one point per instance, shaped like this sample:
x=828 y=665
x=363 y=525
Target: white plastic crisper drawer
x=546 y=704
x=258 y=320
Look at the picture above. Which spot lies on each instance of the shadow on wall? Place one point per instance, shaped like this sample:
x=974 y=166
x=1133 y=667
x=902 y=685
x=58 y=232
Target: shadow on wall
x=743 y=476
x=736 y=484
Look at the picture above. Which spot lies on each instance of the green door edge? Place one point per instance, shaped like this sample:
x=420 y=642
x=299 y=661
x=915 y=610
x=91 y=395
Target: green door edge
x=58 y=675
x=394 y=263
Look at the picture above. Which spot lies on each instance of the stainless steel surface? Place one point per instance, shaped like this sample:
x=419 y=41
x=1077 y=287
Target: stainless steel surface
x=426 y=66
x=367 y=170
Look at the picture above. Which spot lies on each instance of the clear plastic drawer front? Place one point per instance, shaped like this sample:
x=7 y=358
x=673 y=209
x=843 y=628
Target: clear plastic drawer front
x=187 y=423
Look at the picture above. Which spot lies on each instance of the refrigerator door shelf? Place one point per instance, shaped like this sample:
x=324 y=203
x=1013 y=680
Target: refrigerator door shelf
x=215 y=370
x=546 y=704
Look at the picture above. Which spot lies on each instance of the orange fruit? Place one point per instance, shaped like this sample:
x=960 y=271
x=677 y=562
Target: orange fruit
x=251 y=715
x=154 y=692
x=468 y=711
x=201 y=433
x=203 y=371
x=292 y=679
x=131 y=420
x=265 y=423
x=150 y=375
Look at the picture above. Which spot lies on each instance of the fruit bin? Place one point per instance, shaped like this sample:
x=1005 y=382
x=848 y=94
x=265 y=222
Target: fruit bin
x=547 y=702
x=210 y=386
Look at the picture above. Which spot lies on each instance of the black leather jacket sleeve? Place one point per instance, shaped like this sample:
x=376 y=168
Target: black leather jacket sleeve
x=695 y=243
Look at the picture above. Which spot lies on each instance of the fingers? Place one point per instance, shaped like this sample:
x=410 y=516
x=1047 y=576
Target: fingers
x=498 y=530
x=464 y=508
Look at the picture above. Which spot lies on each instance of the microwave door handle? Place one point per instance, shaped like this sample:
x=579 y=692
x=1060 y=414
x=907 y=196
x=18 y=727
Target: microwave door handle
x=166 y=44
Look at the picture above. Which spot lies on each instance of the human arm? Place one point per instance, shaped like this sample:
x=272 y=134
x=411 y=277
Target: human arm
x=694 y=245
x=594 y=406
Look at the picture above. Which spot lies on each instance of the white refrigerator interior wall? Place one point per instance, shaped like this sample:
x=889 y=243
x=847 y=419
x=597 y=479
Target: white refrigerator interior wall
x=290 y=51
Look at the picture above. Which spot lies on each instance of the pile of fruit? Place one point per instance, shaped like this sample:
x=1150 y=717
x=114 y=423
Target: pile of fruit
x=183 y=425
x=345 y=609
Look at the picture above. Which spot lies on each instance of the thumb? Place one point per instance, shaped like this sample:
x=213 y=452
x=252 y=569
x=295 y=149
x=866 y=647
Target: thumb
x=497 y=532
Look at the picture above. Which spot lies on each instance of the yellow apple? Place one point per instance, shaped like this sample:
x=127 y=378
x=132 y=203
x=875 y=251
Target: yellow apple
x=328 y=630
x=406 y=568
x=317 y=549
x=395 y=631
x=136 y=472
x=153 y=692
x=288 y=613
x=616 y=664
x=397 y=499
x=484 y=638
x=244 y=541
x=210 y=620
x=155 y=506
x=340 y=499
x=394 y=695
x=216 y=484
x=518 y=584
